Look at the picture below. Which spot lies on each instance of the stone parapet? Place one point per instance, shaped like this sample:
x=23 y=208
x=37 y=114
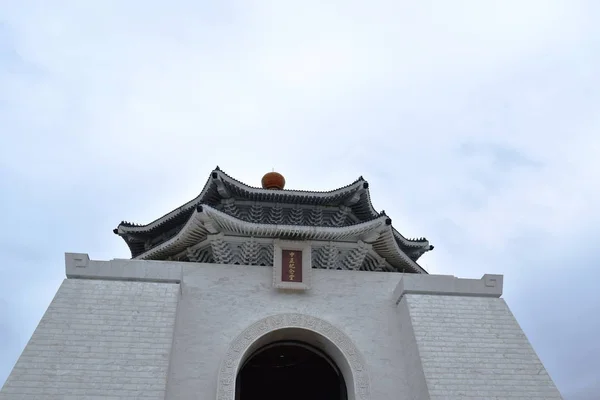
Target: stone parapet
x=79 y=266
x=488 y=286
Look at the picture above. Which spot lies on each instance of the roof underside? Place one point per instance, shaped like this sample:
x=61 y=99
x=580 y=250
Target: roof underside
x=272 y=213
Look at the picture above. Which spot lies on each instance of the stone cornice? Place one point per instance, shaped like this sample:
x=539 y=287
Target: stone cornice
x=79 y=266
x=447 y=285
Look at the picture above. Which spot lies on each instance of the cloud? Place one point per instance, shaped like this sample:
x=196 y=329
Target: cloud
x=475 y=123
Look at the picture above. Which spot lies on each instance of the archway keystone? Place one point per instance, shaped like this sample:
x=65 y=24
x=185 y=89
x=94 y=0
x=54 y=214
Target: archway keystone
x=349 y=358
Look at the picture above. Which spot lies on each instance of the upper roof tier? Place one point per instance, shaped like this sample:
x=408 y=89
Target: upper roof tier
x=343 y=207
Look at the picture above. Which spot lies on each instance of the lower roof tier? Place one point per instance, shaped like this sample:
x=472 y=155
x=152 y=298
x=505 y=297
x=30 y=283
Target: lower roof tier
x=374 y=242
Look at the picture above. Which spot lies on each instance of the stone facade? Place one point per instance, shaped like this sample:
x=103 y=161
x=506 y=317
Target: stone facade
x=99 y=339
x=473 y=348
x=126 y=329
x=208 y=285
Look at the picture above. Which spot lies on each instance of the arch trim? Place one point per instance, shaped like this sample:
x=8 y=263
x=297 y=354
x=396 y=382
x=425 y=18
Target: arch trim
x=239 y=347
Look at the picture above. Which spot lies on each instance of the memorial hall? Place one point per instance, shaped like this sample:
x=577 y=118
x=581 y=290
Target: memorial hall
x=263 y=292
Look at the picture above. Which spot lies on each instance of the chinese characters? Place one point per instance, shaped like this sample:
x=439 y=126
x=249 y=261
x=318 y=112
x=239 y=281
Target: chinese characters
x=291 y=270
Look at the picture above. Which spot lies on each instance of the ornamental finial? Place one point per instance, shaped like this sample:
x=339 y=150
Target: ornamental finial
x=273 y=180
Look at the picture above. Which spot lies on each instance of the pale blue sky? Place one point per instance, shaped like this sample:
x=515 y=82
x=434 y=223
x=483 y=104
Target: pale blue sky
x=476 y=122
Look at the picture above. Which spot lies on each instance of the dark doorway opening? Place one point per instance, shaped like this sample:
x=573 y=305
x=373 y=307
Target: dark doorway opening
x=292 y=371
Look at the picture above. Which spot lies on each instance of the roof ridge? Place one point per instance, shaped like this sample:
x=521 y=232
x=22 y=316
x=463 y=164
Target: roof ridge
x=213 y=176
x=359 y=179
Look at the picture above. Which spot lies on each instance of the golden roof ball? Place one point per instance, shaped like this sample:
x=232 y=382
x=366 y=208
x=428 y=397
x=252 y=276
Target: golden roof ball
x=273 y=180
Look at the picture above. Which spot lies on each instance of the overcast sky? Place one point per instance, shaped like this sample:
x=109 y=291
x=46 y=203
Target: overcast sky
x=477 y=124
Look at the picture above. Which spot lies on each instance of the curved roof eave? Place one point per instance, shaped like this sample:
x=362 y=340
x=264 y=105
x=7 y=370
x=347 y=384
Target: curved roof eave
x=388 y=248
x=421 y=244
x=193 y=232
x=206 y=220
x=126 y=227
x=256 y=194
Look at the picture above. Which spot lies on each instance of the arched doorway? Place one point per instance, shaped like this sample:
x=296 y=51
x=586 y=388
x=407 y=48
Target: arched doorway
x=303 y=328
x=290 y=370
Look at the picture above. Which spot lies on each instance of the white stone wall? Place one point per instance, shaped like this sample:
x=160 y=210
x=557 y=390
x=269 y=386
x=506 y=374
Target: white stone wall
x=99 y=340
x=416 y=385
x=473 y=348
x=160 y=330
x=220 y=301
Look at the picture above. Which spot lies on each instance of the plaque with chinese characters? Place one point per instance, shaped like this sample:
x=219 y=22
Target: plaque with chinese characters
x=291 y=265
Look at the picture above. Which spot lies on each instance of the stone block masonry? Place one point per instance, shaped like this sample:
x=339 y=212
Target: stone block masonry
x=99 y=340
x=132 y=329
x=469 y=343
